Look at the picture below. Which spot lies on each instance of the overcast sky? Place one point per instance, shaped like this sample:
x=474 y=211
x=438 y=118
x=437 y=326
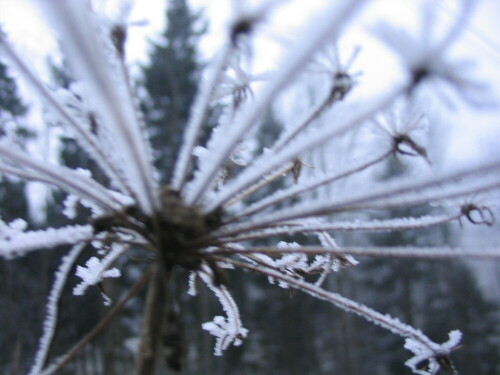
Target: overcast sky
x=22 y=21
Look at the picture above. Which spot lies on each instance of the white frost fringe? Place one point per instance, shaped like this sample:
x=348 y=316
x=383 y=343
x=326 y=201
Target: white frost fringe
x=226 y=330
x=49 y=325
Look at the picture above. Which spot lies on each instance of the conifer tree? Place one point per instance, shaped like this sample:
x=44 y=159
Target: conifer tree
x=170 y=80
x=15 y=276
x=11 y=108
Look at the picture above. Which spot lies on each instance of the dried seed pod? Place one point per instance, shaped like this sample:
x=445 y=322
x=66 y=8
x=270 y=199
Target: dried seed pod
x=118 y=37
x=400 y=141
x=296 y=169
x=243 y=26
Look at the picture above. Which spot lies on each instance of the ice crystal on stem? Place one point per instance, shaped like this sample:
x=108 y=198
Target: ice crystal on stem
x=201 y=223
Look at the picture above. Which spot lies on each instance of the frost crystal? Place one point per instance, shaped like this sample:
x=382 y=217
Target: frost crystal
x=429 y=359
x=227 y=330
x=95 y=270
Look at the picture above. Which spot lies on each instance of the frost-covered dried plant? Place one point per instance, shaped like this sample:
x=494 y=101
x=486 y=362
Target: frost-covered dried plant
x=201 y=223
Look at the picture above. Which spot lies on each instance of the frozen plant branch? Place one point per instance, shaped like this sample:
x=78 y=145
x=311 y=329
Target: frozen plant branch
x=307 y=226
x=411 y=252
x=416 y=341
x=64 y=359
x=107 y=91
x=49 y=325
x=198 y=115
x=86 y=139
x=20 y=242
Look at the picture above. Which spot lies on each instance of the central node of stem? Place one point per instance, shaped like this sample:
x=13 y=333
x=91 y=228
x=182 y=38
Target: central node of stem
x=180 y=231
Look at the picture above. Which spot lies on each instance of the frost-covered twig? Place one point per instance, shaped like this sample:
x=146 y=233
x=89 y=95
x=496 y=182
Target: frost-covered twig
x=263 y=182
x=308 y=185
x=416 y=341
x=227 y=330
x=103 y=323
x=307 y=226
x=49 y=325
x=19 y=243
x=198 y=115
x=60 y=176
x=412 y=252
x=404 y=192
x=85 y=138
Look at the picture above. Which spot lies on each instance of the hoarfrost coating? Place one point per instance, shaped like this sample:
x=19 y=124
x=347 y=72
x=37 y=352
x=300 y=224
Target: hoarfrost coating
x=222 y=195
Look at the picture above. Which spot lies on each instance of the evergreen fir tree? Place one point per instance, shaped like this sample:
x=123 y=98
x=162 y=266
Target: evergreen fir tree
x=170 y=80
x=16 y=284
x=11 y=108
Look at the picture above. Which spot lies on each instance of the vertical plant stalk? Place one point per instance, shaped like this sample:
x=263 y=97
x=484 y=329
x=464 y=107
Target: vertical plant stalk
x=147 y=355
x=66 y=358
x=50 y=323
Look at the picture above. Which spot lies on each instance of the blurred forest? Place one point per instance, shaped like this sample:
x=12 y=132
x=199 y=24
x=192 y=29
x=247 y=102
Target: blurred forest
x=290 y=333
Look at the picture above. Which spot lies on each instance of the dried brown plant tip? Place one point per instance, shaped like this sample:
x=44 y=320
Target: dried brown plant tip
x=240 y=95
x=478 y=214
x=342 y=84
x=296 y=169
x=419 y=74
x=243 y=26
x=118 y=37
x=446 y=363
x=404 y=145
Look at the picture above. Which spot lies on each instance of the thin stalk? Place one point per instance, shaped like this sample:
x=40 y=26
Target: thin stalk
x=304 y=123
x=401 y=193
x=383 y=320
x=152 y=326
x=63 y=360
x=85 y=136
x=397 y=224
x=298 y=189
x=197 y=118
x=386 y=252
x=266 y=180
x=61 y=176
x=50 y=322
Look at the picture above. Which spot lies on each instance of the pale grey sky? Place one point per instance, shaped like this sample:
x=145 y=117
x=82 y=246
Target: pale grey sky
x=21 y=20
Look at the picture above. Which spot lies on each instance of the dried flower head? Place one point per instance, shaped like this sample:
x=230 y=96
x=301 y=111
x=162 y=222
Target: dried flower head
x=204 y=224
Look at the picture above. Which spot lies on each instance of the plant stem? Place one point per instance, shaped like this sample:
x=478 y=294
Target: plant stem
x=98 y=328
x=147 y=356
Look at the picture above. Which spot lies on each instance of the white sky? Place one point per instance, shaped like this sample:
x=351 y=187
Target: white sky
x=21 y=20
